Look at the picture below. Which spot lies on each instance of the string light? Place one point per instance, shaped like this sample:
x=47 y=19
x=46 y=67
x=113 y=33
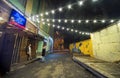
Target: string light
x=111 y=21
x=72 y=21
x=48 y=20
x=37 y=16
x=59 y=20
x=53 y=25
x=60 y=9
x=94 y=0
x=94 y=21
x=80 y=3
x=46 y=13
x=58 y=27
x=41 y=14
x=53 y=20
x=87 y=21
x=79 y=21
x=103 y=21
x=65 y=21
x=63 y=28
x=68 y=29
x=52 y=11
x=69 y=6
x=83 y=33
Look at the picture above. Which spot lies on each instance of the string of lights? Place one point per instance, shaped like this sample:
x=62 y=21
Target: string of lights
x=66 y=29
x=75 y=21
x=60 y=9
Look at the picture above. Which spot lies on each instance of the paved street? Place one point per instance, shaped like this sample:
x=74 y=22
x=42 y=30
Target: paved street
x=56 y=66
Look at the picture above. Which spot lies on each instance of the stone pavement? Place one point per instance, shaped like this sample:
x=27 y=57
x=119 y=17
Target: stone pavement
x=55 y=66
x=99 y=67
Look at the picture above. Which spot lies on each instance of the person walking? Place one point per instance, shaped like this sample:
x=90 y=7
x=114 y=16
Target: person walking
x=29 y=52
x=43 y=52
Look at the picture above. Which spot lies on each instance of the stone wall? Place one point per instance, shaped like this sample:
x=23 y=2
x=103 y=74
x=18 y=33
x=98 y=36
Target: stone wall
x=106 y=43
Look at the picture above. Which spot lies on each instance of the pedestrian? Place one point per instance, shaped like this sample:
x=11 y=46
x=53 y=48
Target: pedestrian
x=43 y=52
x=28 y=49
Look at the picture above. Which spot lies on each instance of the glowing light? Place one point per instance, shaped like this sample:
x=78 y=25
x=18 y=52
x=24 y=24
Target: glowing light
x=80 y=3
x=87 y=21
x=53 y=20
x=65 y=21
x=76 y=31
x=43 y=20
x=41 y=14
x=69 y=6
x=79 y=21
x=83 y=33
x=48 y=24
x=72 y=30
x=68 y=29
x=43 y=23
x=59 y=20
x=46 y=13
x=94 y=0
x=94 y=21
x=72 y=21
x=111 y=21
x=48 y=20
x=52 y=11
x=79 y=32
x=58 y=27
x=63 y=28
x=103 y=21
x=53 y=25
x=60 y=9
x=37 y=16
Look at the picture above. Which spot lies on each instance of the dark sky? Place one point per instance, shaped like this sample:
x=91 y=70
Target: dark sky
x=102 y=9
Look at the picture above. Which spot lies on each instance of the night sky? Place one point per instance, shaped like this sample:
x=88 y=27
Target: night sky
x=102 y=9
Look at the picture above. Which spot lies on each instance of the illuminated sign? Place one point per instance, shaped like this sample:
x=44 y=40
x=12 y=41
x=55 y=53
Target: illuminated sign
x=17 y=19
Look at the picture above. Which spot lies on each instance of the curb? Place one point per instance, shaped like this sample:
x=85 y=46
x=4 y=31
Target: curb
x=93 y=71
x=19 y=66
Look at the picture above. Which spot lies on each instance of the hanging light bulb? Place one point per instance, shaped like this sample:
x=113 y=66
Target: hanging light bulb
x=46 y=13
x=42 y=20
x=53 y=25
x=48 y=20
x=37 y=16
x=80 y=3
x=79 y=32
x=65 y=21
x=72 y=21
x=72 y=30
x=68 y=29
x=58 y=27
x=69 y=6
x=103 y=21
x=60 y=9
x=59 y=20
x=63 y=28
x=79 y=21
x=41 y=14
x=111 y=21
x=48 y=24
x=53 y=12
x=43 y=23
x=94 y=0
x=76 y=31
x=53 y=20
x=94 y=21
x=87 y=21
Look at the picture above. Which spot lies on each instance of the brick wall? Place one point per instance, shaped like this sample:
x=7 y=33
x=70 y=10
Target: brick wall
x=106 y=43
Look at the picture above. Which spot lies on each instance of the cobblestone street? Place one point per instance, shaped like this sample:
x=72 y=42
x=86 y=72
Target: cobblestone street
x=55 y=66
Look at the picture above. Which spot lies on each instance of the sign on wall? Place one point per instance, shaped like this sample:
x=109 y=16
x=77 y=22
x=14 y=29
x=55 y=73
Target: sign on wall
x=17 y=19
